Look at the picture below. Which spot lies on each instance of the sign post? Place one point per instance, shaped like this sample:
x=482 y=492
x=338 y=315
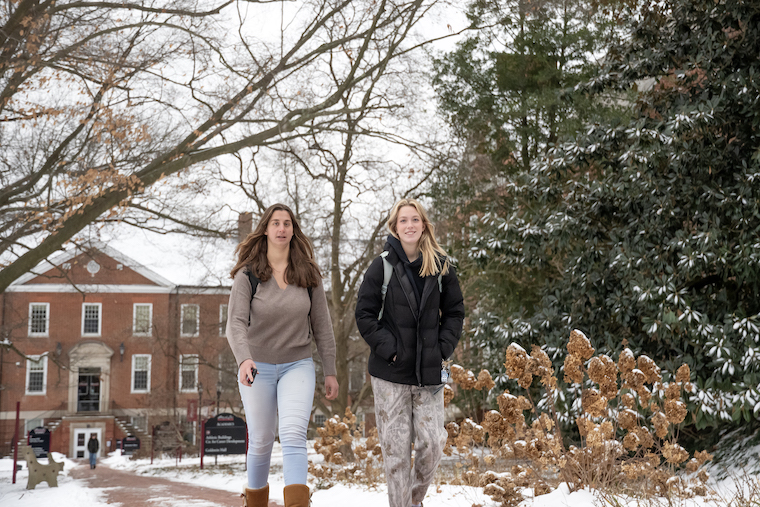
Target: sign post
x=223 y=434
x=39 y=440
x=129 y=445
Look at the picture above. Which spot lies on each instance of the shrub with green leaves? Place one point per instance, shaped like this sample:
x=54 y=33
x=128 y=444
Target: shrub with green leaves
x=651 y=227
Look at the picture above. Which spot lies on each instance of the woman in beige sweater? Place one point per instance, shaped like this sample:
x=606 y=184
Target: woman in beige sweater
x=269 y=334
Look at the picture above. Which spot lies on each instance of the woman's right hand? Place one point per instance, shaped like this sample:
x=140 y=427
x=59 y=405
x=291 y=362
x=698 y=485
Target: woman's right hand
x=244 y=373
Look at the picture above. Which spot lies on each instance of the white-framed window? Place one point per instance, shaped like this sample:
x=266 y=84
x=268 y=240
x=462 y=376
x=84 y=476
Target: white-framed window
x=190 y=320
x=141 y=373
x=188 y=373
x=320 y=419
x=142 y=319
x=139 y=422
x=36 y=375
x=91 y=321
x=39 y=319
x=30 y=424
x=223 y=320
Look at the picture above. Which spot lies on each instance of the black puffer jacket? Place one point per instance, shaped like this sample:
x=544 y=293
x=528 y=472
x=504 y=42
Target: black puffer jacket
x=420 y=335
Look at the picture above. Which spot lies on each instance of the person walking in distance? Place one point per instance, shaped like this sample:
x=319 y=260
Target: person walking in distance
x=277 y=297
x=410 y=312
x=93 y=446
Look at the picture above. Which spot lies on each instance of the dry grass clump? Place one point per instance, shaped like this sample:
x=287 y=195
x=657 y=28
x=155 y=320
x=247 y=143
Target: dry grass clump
x=627 y=426
x=348 y=457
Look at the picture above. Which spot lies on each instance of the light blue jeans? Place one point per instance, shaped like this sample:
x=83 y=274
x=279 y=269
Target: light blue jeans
x=284 y=390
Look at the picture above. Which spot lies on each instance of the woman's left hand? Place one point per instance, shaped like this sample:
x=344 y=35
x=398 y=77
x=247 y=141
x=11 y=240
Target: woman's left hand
x=331 y=387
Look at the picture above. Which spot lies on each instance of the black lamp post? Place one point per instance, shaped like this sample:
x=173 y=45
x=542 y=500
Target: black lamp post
x=218 y=396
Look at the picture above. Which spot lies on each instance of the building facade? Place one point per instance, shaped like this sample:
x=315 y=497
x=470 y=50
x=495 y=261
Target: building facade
x=93 y=342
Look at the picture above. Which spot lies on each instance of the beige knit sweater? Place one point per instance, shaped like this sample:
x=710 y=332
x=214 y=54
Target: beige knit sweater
x=279 y=331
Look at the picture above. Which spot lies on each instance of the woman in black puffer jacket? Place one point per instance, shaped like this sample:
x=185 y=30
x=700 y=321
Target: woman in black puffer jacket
x=410 y=333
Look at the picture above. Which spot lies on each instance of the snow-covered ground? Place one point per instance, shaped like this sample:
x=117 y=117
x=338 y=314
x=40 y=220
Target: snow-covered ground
x=229 y=475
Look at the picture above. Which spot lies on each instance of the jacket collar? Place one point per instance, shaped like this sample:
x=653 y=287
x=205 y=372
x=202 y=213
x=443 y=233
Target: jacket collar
x=397 y=257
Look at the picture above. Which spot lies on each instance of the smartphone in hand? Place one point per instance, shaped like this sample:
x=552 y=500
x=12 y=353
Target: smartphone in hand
x=254 y=371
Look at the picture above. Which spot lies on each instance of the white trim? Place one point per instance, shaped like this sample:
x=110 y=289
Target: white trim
x=222 y=320
x=64 y=256
x=91 y=288
x=47 y=321
x=42 y=358
x=150 y=319
x=182 y=358
x=182 y=320
x=100 y=319
x=203 y=290
x=132 y=382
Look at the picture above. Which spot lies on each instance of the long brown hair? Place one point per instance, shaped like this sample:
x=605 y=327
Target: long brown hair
x=302 y=269
x=434 y=258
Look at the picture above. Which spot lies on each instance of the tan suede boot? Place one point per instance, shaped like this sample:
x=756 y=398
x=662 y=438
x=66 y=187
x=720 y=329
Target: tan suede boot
x=296 y=495
x=257 y=497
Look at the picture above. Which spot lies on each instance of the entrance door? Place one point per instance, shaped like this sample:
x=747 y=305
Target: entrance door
x=81 y=437
x=88 y=390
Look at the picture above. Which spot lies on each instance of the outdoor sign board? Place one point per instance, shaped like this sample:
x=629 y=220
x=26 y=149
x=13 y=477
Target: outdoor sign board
x=39 y=441
x=129 y=445
x=225 y=434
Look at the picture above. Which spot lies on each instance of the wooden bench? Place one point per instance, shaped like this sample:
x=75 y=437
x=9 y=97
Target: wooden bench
x=39 y=472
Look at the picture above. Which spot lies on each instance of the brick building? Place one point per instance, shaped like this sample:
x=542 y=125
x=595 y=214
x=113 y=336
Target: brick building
x=96 y=343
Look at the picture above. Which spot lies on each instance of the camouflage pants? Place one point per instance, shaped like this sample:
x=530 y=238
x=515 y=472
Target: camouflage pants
x=408 y=414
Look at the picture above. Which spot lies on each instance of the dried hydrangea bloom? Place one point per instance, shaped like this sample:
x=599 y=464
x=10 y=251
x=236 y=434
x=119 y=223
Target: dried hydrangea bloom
x=498 y=429
x=603 y=371
x=512 y=407
x=593 y=403
x=583 y=426
x=703 y=475
x=490 y=460
x=626 y=361
x=675 y=411
x=628 y=400
x=692 y=466
x=484 y=381
x=526 y=380
x=633 y=471
x=516 y=361
x=650 y=369
x=464 y=378
x=546 y=421
x=634 y=379
x=452 y=429
x=673 y=391
x=644 y=395
x=683 y=374
x=627 y=419
x=702 y=457
x=653 y=459
x=542 y=366
x=448 y=395
x=573 y=371
x=660 y=423
x=520 y=446
x=674 y=453
x=579 y=345
x=631 y=441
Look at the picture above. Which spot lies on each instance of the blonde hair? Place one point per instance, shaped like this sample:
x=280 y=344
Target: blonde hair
x=302 y=269
x=434 y=259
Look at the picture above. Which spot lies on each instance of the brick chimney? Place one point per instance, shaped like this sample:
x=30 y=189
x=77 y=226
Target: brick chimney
x=245 y=225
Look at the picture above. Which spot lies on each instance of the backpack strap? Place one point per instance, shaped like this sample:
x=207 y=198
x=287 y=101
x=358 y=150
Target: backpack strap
x=255 y=284
x=387 y=273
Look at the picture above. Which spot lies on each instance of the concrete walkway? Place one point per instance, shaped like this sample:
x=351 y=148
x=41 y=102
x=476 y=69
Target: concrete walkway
x=128 y=489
